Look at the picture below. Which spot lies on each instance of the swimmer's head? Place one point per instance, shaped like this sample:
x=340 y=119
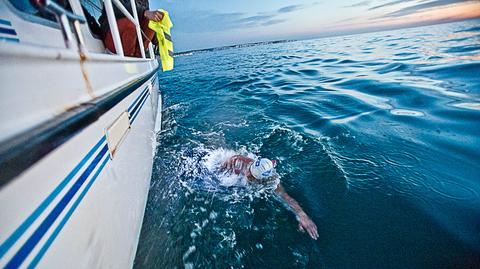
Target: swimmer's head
x=262 y=168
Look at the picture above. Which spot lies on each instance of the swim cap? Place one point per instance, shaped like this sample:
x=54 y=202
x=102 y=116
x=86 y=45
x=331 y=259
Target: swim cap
x=262 y=168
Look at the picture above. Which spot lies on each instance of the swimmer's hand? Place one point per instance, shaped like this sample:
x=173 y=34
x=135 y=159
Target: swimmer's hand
x=306 y=224
x=153 y=15
x=304 y=221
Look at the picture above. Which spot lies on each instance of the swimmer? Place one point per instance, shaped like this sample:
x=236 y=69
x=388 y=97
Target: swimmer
x=262 y=171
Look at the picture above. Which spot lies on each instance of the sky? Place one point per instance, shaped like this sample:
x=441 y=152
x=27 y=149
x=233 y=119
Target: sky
x=200 y=24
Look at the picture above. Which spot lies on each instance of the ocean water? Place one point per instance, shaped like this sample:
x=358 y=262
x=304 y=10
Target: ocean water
x=377 y=136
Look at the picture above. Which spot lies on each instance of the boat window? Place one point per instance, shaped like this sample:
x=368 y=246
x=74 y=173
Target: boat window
x=26 y=6
x=93 y=10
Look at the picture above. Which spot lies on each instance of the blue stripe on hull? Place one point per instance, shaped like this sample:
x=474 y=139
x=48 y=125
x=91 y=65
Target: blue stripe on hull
x=9 y=39
x=28 y=246
x=37 y=235
x=135 y=102
x=141 y=105
x=57 y=230
x=8 y=31
x=39 y=210
x=5 y=22
x=138 y=104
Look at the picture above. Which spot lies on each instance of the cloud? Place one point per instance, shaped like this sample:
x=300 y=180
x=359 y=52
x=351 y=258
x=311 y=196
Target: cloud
x=359 y=4
x=392 y=3
x=272 y=22
x=255 y=19
x=290 y=8
x=211 y=21
x=197 y=21
x=422 y=7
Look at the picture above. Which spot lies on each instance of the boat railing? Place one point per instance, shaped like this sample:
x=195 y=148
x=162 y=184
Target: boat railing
x=114 y=28
x=64 y=18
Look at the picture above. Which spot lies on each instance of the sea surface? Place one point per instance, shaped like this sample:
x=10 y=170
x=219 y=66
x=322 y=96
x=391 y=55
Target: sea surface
x=376 y=135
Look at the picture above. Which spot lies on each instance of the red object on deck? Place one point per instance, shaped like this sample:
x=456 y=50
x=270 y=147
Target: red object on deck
x=128 y=35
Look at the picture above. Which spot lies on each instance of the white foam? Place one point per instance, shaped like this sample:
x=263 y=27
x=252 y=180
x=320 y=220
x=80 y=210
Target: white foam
x=187 y=253
x=215 y=158
x=407 y=112
x=468 y=105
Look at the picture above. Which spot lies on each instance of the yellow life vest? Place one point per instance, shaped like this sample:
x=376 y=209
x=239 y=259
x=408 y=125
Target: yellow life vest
x=165 y=44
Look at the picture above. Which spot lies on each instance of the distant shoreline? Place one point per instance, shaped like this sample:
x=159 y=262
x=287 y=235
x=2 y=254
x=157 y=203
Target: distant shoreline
x=188 y=52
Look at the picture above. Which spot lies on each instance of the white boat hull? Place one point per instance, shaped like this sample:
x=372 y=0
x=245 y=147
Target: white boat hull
x=77 y=206
x=76 y=151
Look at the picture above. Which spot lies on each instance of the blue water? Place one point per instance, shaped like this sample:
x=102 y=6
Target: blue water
x=377 y=136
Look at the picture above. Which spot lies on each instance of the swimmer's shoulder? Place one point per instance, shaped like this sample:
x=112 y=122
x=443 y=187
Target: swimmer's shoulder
x=241 y=158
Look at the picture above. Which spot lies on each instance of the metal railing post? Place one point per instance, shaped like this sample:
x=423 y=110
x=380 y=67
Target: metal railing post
x=67 y=31
x=79 y=35
x=64 y=17
x=139 y=31
x=112 y=22
x=150 y=50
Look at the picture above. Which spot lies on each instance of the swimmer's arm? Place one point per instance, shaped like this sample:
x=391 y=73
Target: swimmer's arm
x=304 y=222
x=292 y=203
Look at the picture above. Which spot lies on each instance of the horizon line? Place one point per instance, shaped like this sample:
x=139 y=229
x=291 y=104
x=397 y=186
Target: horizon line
x=326 y=35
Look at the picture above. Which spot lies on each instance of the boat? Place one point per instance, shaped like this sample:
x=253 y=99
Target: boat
x=77 y=137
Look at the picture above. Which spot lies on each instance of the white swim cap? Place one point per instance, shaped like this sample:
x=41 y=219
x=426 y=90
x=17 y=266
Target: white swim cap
x=262 y=168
